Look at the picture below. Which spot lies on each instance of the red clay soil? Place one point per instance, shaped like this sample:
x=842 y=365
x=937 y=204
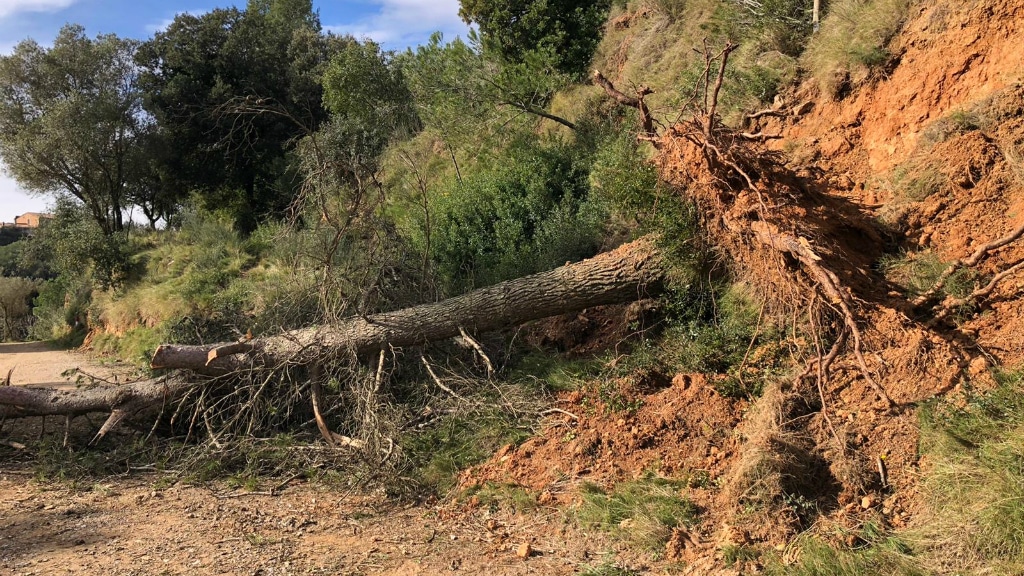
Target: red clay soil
x=952 y=56
x=643 y=423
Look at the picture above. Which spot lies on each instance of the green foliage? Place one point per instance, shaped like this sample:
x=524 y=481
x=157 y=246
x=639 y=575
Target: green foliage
x=71 y=121
x=232 y=91
x=15 y=297
x=10 y=235
x=370 y=105
x=15 y=262
x=565 y=32
x=643 y=512
x=62 y=309
x=852 y=41
x=467 y=97
x=528 y=213
x=73 y=244
x=714 y=330
x=623 y=179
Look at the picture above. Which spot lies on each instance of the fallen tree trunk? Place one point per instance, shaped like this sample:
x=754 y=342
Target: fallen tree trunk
x=631 y=272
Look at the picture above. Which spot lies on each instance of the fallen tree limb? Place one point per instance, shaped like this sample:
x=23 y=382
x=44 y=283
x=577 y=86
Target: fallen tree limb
x=646 y=120
x=119 y=401
x=971 y=260
x=631 y=272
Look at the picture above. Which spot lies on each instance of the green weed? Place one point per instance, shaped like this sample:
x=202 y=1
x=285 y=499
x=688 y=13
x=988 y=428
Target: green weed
x=917 y=272
x=642 y=512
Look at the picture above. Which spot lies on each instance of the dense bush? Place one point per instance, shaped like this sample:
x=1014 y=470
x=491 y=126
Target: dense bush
x=529 y=212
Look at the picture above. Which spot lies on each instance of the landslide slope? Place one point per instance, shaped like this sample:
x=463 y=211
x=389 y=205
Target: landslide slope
x=903 y=171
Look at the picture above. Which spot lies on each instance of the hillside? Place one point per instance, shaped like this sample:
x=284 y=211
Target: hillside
x=830 y=383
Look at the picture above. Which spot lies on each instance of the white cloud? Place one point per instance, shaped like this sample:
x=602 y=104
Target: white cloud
x=8 y=7
x=401 y=23
x=163 y=24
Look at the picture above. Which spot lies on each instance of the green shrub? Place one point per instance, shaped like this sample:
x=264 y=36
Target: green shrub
x=15 y=298
x=528 y=213
x=61 y=310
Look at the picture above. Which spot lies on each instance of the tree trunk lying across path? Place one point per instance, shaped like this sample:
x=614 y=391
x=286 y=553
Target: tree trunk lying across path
x=631 y=272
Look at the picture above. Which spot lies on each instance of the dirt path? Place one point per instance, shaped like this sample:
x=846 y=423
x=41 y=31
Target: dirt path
x=130 y=527
x=146 y=523
x=38 y=364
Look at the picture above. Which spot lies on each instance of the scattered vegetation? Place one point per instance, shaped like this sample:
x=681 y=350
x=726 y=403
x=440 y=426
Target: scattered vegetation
x=642 y=512
x=880 y=555
x=916 y=273
x=974 y=478
x=853 y=42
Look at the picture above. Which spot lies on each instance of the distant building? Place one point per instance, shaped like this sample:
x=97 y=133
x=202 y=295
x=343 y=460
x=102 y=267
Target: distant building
x=30 y=219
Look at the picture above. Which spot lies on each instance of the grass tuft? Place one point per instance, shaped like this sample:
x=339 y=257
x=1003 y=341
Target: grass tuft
x=917 y=272
x=642 y=512
x=975 y=477
x=853 y=41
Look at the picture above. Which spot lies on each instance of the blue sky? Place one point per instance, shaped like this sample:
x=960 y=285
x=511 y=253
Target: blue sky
x=394 y=23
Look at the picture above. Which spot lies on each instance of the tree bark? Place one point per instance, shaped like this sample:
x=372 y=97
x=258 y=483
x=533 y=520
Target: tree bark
x=631 y=272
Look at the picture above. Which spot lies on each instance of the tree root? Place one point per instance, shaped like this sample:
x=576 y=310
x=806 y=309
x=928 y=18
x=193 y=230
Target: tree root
x=972 y=260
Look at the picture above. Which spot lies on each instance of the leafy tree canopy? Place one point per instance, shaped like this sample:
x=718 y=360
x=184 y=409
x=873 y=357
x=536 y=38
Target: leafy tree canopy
x=567 y=31
x=461 y=93
x=71 y=121
x=232 y=91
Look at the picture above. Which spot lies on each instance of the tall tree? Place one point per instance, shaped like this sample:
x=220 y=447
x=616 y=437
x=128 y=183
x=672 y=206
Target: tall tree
x=566 y=31
x=233 y=91
x=460 y=89
x=71 y=120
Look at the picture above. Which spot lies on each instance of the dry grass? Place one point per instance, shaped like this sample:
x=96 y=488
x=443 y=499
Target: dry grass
x=756 y=483
x=853 y=41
